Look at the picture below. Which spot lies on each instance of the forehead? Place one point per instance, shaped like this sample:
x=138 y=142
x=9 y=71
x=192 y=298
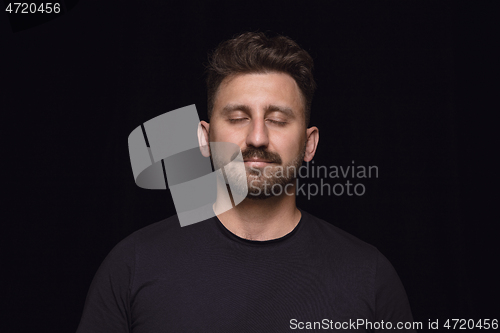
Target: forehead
x=258 y=90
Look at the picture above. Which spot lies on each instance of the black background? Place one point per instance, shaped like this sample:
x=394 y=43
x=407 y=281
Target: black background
x=73 y=88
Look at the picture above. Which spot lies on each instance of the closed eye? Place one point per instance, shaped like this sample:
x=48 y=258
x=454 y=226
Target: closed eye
x=279 y=123
x=235 y=120
x=276 y=122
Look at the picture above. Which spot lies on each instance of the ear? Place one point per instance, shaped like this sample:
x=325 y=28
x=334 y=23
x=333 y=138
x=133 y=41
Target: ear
x=203 y=139
x=312 y=139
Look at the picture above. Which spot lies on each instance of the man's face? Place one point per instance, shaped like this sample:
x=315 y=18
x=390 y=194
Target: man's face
x=264 y=115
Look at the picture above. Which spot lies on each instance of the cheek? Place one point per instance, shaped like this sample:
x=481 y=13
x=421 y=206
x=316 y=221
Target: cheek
x=214 y=132
x=224 y=134
x=289 y=147
x=295 y=146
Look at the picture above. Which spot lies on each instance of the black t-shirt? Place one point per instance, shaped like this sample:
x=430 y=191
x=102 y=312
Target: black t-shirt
x=203 y=278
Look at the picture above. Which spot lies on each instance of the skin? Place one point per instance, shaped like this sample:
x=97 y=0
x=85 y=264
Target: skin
x=254 y=125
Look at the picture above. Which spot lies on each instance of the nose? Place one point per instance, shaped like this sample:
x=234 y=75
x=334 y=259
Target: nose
x=257 y=135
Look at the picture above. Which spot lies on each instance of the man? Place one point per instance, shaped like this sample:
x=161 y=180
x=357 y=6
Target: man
x=264 y=265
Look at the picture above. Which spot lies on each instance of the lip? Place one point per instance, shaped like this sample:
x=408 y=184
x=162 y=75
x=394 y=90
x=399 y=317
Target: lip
x=257 y=163
x=256 y=160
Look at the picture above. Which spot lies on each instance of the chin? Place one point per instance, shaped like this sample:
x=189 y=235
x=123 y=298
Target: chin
x=261 y=196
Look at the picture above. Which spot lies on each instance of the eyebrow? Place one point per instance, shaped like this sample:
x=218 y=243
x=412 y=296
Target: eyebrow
x=232 y=107
x=284 y=109
x=270 y=108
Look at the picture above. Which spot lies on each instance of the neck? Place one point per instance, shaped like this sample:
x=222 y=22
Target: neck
x=261 y=219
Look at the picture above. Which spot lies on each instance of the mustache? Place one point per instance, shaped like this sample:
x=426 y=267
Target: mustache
x=252 y=152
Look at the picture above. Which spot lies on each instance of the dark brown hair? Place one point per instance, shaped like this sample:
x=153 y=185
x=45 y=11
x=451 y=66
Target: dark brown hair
x=254 y=52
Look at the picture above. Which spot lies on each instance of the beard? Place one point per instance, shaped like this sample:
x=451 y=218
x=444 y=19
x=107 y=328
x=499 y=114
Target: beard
x=271 y=181
x=266 y=182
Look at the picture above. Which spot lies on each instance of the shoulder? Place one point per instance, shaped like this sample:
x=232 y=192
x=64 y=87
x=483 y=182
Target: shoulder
x=338 y=242
x=167 y=229
x=124 y=252
x=154 y=231
x=165 y=237
x=361 y=261
x=149 y=233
